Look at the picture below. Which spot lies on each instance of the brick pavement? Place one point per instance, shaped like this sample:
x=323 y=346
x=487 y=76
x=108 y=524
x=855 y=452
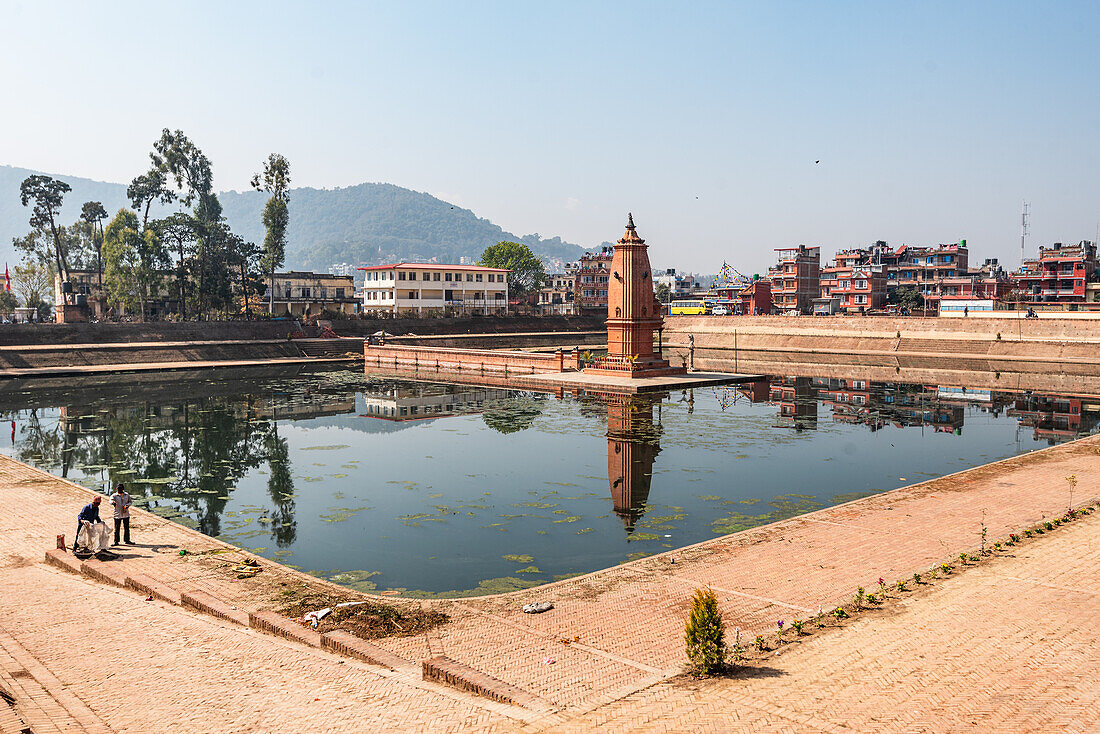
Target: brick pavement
x=1009 y=645
x=624 y=625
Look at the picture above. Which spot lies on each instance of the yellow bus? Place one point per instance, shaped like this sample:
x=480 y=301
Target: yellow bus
x=688 y=308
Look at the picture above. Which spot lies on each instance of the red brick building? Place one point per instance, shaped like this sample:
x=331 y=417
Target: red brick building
x=796 y=278
x=591 y=274
x=1059 y=275
x=756 y=298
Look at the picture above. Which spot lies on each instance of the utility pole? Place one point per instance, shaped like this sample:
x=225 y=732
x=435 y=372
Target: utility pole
x=1025 y=229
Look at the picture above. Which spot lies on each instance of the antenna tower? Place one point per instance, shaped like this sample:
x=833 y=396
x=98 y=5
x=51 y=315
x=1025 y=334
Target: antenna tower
x=1025 y=229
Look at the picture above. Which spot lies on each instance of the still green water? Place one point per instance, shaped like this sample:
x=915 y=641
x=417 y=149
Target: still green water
x=445 y=489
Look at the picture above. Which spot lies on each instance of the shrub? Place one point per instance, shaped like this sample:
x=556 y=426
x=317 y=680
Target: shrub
x=860 y=596
x=900 y=584
x=797 y=625
x=705 y=633
x=839 y=613
x=759 y=642
x=946 y=568
x=1028 y=533
x=962 y=558
x=916 y=578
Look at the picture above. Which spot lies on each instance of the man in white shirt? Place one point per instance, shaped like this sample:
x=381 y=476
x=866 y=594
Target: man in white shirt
x=121 y=502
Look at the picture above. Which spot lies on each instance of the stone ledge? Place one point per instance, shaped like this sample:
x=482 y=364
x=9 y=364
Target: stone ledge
x=276 y=624
x=63 y=560
x=443 y=669
x=347 y=644
x=103 y=572
x=208 y=604
x=151 y=587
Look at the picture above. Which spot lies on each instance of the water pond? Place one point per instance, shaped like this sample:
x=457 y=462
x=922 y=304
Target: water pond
x=453 y=490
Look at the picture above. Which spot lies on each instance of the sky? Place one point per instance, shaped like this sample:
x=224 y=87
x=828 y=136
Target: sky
x=728 y=129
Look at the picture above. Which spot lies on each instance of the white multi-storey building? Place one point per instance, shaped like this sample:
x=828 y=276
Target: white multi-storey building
x=427 y=287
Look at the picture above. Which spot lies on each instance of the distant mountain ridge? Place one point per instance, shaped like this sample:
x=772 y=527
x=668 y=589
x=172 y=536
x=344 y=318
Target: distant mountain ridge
x=370 y=223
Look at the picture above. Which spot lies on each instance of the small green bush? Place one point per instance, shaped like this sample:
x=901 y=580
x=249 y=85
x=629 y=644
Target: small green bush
x=705 y=633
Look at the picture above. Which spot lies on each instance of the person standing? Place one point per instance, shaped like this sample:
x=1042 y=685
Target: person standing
x=121 y=501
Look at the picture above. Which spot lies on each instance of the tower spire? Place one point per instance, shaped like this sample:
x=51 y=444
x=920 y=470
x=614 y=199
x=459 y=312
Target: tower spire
x=629 y=220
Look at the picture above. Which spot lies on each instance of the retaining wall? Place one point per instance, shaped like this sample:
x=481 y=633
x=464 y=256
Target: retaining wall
x=1061 y=343
x=12 y=334
x=393 y=356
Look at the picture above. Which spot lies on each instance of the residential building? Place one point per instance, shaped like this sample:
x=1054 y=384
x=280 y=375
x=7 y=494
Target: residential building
x=297 y=293
x=1061 y=274
x=342 y=269
x=305 y=293
x=591 y=274
x=795 y=278
x=86 y=289
x=433 y=288
x=858 y=288
x=556 y=297
x=680 y=285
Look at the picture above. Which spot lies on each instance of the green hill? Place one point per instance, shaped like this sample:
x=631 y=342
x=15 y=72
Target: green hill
x=370 y=223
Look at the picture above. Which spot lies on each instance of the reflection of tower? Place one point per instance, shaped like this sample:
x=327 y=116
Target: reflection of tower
x=633 y=442
x=633 y=313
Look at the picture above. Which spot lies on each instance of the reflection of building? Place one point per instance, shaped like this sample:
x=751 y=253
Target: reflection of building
x=1057 y=418
x=797 y=400
x=399 y=401
x=877 y=404
x=633 y=442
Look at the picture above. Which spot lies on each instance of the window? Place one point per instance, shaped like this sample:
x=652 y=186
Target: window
x=339 y=292
x=469 y=277
x=479 y=277
x=400 y=276
x=435 y=276
x=324 y=292
x=305 y=292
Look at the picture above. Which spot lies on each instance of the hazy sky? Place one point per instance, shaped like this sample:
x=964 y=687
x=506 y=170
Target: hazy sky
x=932 y=121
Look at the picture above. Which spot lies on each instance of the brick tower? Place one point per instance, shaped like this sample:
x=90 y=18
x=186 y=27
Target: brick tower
x=633 y=314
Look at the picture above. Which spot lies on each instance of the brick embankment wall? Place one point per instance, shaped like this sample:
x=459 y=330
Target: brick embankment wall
x=519 y=340
x=77 y=355
x=13 y=334
x=988 y=344
x=473 y=361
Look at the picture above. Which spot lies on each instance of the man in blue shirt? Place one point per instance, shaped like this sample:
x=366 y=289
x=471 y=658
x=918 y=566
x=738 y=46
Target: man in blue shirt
x=89 y=513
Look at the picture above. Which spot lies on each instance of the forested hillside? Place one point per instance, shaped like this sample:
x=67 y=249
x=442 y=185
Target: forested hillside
x=369 y=223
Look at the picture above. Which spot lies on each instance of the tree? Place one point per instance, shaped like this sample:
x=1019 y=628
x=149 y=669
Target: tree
x=93 y=213
x=33 y=281
x=47 y=194
x=132 y=259
x=705 y=633
x=906 y=296
x=527 y=273
x=275 y=179
x=147 y=188
x=663 y=292
x=8 y=302
x=178 y=232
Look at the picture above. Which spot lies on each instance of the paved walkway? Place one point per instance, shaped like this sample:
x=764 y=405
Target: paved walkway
x=614 y=637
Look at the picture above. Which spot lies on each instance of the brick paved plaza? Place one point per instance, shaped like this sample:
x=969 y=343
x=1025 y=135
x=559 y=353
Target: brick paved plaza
x=1009 y=644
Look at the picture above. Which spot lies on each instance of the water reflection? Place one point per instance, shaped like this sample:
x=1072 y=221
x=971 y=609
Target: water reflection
x=633 y=442
x=238 y=459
